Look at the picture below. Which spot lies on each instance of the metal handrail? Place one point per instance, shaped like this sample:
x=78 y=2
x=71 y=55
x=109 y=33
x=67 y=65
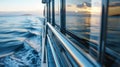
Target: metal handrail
x=77 y=56
x=53 y=52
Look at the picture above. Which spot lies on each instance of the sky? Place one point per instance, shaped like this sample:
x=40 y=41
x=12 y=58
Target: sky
x=20 y=5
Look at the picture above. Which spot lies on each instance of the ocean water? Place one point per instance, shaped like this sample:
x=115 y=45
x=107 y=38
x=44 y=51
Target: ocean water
x=20 y=41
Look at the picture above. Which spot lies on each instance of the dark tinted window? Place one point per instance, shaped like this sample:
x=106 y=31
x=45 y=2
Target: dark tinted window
x=113 y=30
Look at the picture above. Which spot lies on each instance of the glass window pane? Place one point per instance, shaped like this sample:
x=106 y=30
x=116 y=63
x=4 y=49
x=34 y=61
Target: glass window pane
x=113 y=30
x=57 y=12
x=83 y=19
x=85 y=16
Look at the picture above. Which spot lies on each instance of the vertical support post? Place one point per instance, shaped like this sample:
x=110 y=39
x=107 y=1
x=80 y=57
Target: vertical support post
x=63 y=16
x=46 y=29
x=53 y=13
x=103 y=32
x=43 y=37
x=44 y=15
x=44 y=58
x=46 y=32
x=48 y=11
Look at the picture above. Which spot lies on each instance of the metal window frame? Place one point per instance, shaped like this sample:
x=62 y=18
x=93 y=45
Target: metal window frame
x=63 y=16
x=103 y=32
x=48 y=11
x=53 y=12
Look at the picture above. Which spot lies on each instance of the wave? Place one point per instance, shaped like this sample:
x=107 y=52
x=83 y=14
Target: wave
x=15 y=30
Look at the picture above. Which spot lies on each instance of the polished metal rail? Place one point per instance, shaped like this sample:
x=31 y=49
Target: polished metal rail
x=77 y=56
x=53 y=53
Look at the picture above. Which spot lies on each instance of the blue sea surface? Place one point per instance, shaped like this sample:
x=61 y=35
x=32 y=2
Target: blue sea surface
x=20 y=41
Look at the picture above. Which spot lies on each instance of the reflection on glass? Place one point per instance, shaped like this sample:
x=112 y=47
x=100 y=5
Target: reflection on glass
x=57 y=12
x=83 y=18
x=113 y=32
x=51 y=12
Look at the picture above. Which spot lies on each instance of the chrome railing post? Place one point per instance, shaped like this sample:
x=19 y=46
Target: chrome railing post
x=53 y=52
x=44 y=51
x=46 y=32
